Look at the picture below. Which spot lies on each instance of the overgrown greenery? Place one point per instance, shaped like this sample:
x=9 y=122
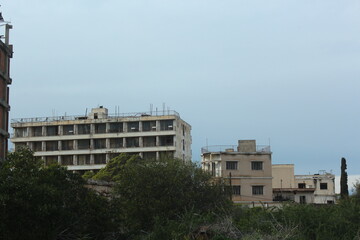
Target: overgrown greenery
x=165 y=199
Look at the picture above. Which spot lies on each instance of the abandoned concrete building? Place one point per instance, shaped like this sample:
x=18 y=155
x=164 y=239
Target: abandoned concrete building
x=246 y=166
x=88 y=142
x=318 y=188
x=6 y=52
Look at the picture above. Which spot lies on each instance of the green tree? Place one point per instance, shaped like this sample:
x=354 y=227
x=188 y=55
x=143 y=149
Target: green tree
x=114 y=167
x=38 y=202
x=344 y=192
x=164 y=190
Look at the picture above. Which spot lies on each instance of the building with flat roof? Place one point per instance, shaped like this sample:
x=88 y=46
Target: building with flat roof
x=317 y=188
x=247 y=168
x=6 y=52
x=88 y=142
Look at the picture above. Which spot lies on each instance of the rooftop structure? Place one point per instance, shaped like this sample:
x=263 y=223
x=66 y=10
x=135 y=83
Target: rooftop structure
x=246 y=166
x=88 y=142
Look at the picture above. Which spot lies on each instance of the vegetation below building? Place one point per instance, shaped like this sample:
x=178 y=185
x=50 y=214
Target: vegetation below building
x=165 y=199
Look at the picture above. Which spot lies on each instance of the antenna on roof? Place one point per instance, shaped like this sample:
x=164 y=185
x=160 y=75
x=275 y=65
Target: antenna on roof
x=86 y=112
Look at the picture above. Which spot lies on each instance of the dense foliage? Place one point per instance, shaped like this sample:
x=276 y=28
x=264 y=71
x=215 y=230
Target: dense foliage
x=344 y=192
x=165 y=199
x=47 y=203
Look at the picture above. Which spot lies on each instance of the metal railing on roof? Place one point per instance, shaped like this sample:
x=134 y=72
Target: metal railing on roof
x=233 y=148
x=84 y=117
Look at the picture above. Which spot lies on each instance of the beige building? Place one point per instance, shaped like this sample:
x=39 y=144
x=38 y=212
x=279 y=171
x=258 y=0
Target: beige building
x=317 y=188
x=88 y=142
x=246 y=166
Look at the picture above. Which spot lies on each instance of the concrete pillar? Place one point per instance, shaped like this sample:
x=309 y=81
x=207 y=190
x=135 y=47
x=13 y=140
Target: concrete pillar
x=43 y=146
x=124 y=142
x=141 y=142
x=107 y=144
x=60 y=130
x=59 y=145
x=140 y=126
x=92 y=159
x=92 y=128
x=107 y=127
x=43 y=130
x=157 y=141
x=76 y=130
x=157 y=125
x=59 y=160
x=125 y=126
x=157 y=155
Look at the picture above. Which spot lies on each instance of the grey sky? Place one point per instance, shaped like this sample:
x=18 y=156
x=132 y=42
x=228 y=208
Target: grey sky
x=288 y=71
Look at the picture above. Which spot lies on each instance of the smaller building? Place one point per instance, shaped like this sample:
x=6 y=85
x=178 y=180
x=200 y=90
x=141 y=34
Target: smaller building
x=318 y=188
x=247 y=168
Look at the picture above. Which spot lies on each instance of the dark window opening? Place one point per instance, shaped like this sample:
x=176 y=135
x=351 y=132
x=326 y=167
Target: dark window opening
x=323 y=186
x=149 y=141
x=149 y=126
x=100 y=128
x=68 y=129
x=52 y=131
x=115 y=127
x=231 y=165
x=84 y=144
x=67 y=160
x=83 y=129
x=236 y=190
x=302 y=199
x=132 y=142
x=149 y=155
x=166 y=140
x=83 y=159
x=37 y=146
x=49 y=160
x=37 y=131
x=166 y=125
x=116 y=143
x=67 y=145
x=133 y=126
x=100 y=158
x=257 y=190
x=99 y=143
x=52 y=146
x=256 y=165
x=301 y=185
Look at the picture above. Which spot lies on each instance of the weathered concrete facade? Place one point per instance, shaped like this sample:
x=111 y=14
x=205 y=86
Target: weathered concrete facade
x=248 y=169
x=6 y=51
x=89 y=142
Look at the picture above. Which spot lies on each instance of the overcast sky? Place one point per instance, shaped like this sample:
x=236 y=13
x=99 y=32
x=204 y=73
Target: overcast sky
x=285 y=72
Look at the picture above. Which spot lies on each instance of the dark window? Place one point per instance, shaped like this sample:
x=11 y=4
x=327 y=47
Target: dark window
x=99 y=143
x=67 y=160
x=84 y=144
x=52 y=146
x=116 y=143
x=132 y=142
x=258 y=190
x=52 y=130
x=236 y=190
x=83 y=159
x=21 y=132
x=149 y=155
x=323 y=186
x=67 y=145
x=115 y=127
x=37 y=131
x=149 y=141
x=166 y=154
x=84 y=129
x=68 y=129
x=166 y=125
x=149 y=126
x=100 y=128
x=302 y=185
x=231 y=165
x=166 y=140
x=51 y=160
x=133 y=126
x=100 y=158
x=302 y=199
x=256 y=165
x=37 y=146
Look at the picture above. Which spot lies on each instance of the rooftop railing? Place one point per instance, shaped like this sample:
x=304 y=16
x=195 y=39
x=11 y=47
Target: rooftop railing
x=84 y=117
x=233 y=148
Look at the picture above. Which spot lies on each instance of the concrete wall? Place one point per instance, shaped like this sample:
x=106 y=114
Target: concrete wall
x=283 y=176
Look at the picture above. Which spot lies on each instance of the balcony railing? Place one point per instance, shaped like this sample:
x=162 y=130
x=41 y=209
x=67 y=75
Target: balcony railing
x=233 y=148
x=82 y=117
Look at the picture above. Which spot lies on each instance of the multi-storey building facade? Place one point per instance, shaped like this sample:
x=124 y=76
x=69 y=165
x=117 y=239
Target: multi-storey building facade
x=317 y=188
x=247 y=168
x=6 y=51
x=88 y=142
